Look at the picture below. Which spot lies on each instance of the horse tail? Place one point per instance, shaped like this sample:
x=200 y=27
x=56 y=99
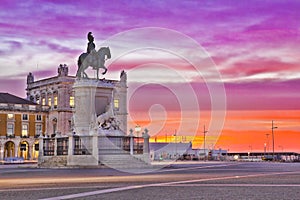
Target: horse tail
x=79 y=66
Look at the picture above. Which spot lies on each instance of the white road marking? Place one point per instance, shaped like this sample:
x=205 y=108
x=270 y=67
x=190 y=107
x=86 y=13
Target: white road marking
x=233 y=185
x=201 y=167
x=84 y=194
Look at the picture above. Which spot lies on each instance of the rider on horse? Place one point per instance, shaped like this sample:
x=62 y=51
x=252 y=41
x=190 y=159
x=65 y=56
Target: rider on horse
x=91 y=49
x=92 y=58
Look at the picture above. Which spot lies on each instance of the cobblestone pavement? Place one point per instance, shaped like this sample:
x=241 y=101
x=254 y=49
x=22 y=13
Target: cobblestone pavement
x=190 y=180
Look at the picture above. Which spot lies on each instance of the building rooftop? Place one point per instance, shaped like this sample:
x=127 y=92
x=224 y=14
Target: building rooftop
x=12 y=99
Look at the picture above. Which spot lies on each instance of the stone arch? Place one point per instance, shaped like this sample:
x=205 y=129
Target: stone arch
x=9 y=149
x=23 y=150
x=35 y=150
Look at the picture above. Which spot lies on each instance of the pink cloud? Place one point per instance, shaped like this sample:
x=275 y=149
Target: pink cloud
x=258 y=66
x=272 y=95
x=282 y=95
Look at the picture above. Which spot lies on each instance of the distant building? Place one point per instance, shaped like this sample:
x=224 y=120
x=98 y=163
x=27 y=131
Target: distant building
x=55 y=92
x=21 y=123
x=168 y=151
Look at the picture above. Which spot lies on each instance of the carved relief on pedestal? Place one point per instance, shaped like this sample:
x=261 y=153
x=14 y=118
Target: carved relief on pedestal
x=107 y=120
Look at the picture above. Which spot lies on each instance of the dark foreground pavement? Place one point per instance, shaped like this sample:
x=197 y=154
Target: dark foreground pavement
x=179 y=181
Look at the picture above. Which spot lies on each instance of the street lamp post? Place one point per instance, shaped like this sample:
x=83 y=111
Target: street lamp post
x=273 y=140
x=175 y=135
x=137 y=130
x=204 y=134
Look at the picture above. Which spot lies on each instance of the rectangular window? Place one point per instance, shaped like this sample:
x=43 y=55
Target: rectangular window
x=43 y=101
x=25 y=117
x=37 y=100
x=55 y=102
x=116 y=103
x=38 y=117
x=38 y=129
x=10 y=129
x=10 y=116
x=49 y=101
x=25 y=130
x=72 y=102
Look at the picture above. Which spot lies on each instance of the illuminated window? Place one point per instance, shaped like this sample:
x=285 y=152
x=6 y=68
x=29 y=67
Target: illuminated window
x=43 y=101
x=55 y=102
x=116 y=103
x=10 y=129
x=25 y=117
x=10 y=116
x=38 y=129
x=25 y=130
x=38 y=117
x=72 y=102
x=49 y=101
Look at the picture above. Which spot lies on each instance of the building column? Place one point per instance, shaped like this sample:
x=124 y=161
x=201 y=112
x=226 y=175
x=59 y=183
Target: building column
x=70 y=145
x=41 y=147
x=29 y=151
x=131 y=143
x=1 y=151
x=95 y=151
x=16 y=150
x=146 y=142
x=146 y=149
x=55 y=146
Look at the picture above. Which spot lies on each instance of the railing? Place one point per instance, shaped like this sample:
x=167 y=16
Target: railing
x=108 y=145
x=113 y=145
x=62 y=146
x=79 y=147
x=48 y=147
x=138 y=145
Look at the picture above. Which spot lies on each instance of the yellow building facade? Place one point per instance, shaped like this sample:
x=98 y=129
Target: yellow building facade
x=21 y=123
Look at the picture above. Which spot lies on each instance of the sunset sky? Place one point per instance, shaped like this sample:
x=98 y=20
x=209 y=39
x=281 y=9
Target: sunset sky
x=233 y=66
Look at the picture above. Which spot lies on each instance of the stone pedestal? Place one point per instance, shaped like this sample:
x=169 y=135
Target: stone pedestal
x=91 y=99
x=85 y=114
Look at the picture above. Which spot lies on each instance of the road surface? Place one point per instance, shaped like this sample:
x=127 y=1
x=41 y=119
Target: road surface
x=192 y=180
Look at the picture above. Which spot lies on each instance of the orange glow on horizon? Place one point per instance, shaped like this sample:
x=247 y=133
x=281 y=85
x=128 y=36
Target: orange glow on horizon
x=243 y=130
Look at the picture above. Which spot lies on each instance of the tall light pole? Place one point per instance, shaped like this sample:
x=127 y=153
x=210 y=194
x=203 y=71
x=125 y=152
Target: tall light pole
x=137 y=129
x=175 y=135
x=204 y=135
x=273 y=140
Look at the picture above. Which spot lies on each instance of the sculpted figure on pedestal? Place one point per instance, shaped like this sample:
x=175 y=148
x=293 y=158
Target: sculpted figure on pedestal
x=92 y=58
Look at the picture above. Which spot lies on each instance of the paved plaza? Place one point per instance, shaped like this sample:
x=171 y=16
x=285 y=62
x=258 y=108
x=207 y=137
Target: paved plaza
x=180 y=180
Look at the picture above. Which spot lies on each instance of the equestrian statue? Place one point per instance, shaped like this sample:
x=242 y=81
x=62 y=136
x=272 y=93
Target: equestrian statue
x=92 y=58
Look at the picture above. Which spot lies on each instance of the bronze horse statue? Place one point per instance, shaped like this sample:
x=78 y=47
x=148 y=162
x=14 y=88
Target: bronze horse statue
x=95 y=60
